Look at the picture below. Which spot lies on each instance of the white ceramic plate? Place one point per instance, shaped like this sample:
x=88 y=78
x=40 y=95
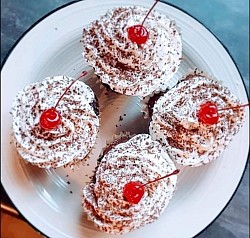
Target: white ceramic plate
x=51 y=199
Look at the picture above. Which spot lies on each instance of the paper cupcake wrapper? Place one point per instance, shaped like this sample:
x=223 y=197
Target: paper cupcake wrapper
x=145 y=103
x=76 y=163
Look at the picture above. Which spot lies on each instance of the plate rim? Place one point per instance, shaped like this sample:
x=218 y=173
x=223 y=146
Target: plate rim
x=169 y=4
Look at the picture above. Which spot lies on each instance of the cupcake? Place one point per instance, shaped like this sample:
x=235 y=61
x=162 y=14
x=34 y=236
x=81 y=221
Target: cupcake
x=140 y=159
x=182 y=121
x=72 y=139
x=126 y=66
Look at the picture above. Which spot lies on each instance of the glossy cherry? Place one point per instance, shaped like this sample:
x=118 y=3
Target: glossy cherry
x=138 y=33
x=134 y=191
x=51 y=118
x=209 y=112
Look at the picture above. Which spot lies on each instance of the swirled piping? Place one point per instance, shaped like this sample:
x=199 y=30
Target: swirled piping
x=72 y=140
x=175 y=123
x=126 y=67
x=139 y=159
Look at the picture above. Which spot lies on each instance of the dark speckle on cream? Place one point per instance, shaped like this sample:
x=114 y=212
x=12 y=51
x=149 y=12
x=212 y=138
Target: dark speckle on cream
x=123 y=65
x=139 y=159
x=72 y=140
x=175 y=123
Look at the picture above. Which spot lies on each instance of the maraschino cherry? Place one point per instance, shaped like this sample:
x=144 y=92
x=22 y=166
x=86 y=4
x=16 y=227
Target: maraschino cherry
x=133 y=191
x=138 y=33
x=51 y=118
x=209 y=112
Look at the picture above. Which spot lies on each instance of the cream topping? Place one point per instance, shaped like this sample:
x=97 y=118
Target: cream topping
x=72 y=140
x=126 y=67
x=175 y=122
x=139 y=159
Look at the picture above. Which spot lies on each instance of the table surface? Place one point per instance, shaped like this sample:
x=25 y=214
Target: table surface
x=227 y=20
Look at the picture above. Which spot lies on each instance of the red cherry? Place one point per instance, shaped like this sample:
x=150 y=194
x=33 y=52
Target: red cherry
x=134 y=191
x=138 y=34
x=50 y=119
x=208 y=113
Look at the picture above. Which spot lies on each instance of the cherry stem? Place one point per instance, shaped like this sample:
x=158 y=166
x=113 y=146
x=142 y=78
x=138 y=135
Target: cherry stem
x=239 y=106
x=150 y=10
x=84 y=73
x=173 y=173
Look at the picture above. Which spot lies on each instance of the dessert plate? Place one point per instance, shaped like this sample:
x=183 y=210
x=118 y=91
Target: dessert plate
x=51 y=199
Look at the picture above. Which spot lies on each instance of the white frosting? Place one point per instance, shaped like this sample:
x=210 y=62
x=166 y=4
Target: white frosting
x=126 y=67
x=140 y=159
x=72 y=140
x=175 y=123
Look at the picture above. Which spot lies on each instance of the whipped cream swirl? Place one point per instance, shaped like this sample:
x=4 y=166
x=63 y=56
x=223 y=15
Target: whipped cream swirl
x=140 y=159
x=126 y=67
x=72 y=140
x=175 y=123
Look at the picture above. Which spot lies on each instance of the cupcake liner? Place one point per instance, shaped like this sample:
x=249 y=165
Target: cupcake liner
x=76 y=163
x=27 y=148
x=122 y=72
x=123 y=165
x=199 y=143
x=146 y=106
